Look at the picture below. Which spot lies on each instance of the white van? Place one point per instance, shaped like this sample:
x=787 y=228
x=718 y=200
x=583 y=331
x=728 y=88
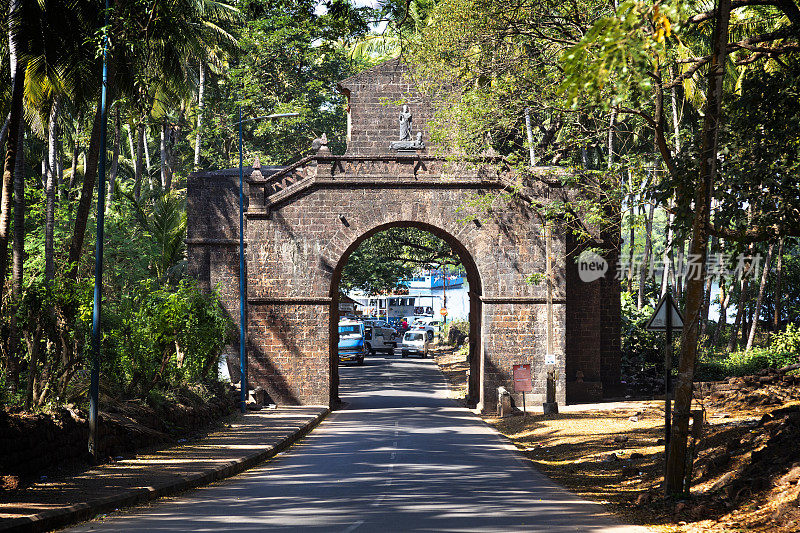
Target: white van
x=375 y=340
x=414 y=342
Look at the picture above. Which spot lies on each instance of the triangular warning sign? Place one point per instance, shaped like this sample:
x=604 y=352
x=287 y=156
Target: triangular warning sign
x=658 y=322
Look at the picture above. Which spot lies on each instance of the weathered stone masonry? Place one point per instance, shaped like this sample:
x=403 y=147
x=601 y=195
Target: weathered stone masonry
x=303 y=221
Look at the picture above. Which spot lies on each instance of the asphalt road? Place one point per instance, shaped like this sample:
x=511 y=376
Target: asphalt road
x=400 y=457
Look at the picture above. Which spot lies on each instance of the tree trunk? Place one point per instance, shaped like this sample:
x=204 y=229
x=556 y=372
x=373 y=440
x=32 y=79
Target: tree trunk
x=747 y=322
x=18 y=249
x=112 y=174
x=4 y=133
x=59 y=164
x=667 y=257
x=164 y=158
x=737 y=321
x=147 y=157
x=50 y=192
x=87 y=190
x=129 y=134
x=137 y=161
x=612 y=123
x=707 y=294
x=675 y=479
x=200 y=106
x=760 y=298
x=13 y=147
x=644 y=269
x=632 y=237
x=676 y=125
x=778 y=294
x=73 y=178
x=725 y=296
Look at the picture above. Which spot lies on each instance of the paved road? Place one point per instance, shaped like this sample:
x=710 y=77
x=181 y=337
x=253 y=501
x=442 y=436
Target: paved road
x=400 y=457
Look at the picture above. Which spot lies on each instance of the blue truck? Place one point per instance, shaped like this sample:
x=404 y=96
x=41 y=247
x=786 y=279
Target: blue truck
x=351 y=342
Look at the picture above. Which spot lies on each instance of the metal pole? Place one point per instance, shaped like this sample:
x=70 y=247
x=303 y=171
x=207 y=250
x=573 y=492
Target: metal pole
x=94 y=386
x=548 y=237
x=242 y=280
x=242 y=289
x=668 y=379
x=444 y=290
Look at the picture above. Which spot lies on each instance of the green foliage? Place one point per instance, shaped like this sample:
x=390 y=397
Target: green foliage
x=163 y=221
x=455 y=331
x=388 y=257
x=289 y=60
x=787 y=341
x=642 y=350
x=618 y=54
x=164 y=337
x=783 y=350
x=713 y=367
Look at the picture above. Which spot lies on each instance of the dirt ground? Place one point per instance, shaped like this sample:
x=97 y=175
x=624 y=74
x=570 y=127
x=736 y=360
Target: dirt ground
x=747 y=467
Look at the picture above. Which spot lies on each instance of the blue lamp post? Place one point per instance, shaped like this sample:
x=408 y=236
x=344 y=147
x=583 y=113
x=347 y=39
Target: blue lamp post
x=242 y=280
x=94 y=386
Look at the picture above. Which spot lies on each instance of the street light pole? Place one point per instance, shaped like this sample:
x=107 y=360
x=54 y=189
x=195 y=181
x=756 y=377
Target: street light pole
x=242 y=280
x=94 y=385
x=242 y=286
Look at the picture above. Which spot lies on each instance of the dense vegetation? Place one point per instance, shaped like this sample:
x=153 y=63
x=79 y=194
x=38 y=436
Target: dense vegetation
x=178 y=73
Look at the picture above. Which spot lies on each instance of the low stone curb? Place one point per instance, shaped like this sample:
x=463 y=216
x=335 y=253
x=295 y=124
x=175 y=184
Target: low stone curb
x=57 y=518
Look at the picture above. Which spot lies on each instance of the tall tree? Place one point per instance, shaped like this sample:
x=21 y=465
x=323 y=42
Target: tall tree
x=675 y=479
x=50 y=191
x=17 y=64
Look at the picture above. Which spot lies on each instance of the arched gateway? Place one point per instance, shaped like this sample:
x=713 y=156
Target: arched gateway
x=303 y=221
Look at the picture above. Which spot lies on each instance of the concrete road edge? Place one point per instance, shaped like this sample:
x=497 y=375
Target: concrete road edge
x=58 y=518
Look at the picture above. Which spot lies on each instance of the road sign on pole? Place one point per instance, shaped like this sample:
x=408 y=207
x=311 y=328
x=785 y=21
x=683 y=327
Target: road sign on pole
x=658 y=322
x=666 y=317
x=522 y=382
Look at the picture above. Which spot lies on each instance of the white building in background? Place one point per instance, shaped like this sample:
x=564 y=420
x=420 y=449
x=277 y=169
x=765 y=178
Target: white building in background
x=426 y=297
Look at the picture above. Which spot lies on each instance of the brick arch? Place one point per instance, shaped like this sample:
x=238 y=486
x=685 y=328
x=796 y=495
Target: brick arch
x=474 y=392
x=302 y=219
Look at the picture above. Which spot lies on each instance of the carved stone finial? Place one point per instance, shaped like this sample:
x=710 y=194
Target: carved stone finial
x=257 y=163
x=320 y=145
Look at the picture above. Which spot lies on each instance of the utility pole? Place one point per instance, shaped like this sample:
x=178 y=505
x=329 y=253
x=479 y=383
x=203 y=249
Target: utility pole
x=242 y=280
x=444 y=292
x=97 y=332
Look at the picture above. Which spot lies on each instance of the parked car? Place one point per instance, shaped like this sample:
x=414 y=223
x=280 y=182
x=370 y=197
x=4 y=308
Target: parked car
x=430 y=325
x=414 y=342
x=351 y=341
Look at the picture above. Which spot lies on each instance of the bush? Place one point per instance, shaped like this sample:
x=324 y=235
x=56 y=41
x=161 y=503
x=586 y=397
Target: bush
x=787 y=341
x=642 y=350
x=456 y=331
x=166 y=337
x=716 y=367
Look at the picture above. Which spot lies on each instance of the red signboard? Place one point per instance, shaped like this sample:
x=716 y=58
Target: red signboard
x=522 y=378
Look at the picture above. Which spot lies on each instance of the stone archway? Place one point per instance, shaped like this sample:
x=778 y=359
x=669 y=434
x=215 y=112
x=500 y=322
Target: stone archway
x=303 y=220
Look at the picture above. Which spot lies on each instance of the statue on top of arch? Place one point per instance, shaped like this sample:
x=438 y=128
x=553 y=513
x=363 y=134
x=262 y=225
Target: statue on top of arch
x=406 y=143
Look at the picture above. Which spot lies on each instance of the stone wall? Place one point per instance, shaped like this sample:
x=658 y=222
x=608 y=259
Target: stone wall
x=375 y=98
x=593 y=324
